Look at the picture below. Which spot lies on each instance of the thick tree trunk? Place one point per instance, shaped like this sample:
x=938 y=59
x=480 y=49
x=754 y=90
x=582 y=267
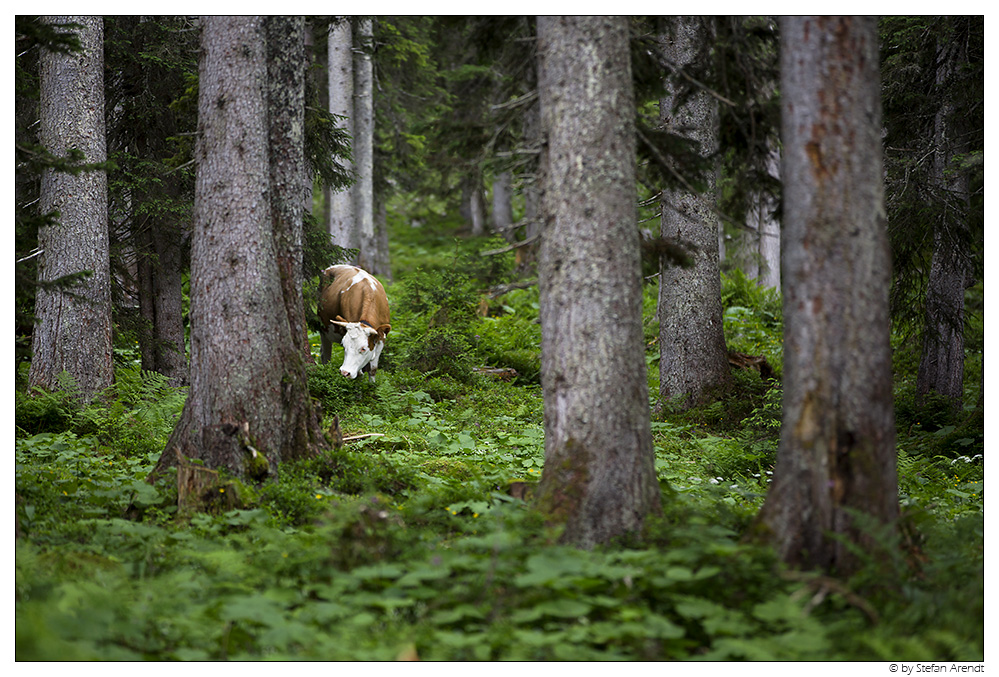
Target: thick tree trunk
x=693 y=362
x=73 y=328
x=599 y=478
x=342 y=225
x=941 y=366
x=247 y=376
x=286 y=96
x=837 y=449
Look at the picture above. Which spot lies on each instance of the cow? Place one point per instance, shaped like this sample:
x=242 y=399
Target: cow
x=354 y=310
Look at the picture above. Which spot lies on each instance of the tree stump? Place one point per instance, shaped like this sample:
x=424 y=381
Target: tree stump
x=201 y=489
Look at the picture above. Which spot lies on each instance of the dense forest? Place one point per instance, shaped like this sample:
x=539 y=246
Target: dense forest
x=682 y=358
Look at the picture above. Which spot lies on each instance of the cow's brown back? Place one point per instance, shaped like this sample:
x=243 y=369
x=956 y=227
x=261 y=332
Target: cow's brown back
x=364 y=301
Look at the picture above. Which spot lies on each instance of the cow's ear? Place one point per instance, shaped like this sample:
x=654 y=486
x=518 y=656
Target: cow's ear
x=384 y=328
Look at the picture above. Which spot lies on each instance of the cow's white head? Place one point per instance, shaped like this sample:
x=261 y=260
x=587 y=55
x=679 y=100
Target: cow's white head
x=362 y=346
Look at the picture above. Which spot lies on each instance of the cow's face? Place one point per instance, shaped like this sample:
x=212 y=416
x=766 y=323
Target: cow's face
x=362 y=346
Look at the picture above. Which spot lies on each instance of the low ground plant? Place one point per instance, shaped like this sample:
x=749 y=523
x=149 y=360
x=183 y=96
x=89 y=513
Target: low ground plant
x=421 y=542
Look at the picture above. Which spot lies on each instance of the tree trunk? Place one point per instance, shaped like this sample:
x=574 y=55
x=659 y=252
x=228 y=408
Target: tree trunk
x=770 y=229
x=472 y=206
x=148 y=203
x=340 y=202
x=693 y=360
x=761 y=241
x=286 y=106
x=941 y=366
x=528 y=254
x=384 y=266
x=159 y=273
x=748 y=258
x=247 y=376
x=73 y=328
x=364 y=138
x=502 y=210
x=599 y=477
x=160 y=270
x=837 y=450
x=168 y=301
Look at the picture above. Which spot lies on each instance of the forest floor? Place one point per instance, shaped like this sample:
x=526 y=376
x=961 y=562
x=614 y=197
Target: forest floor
x=420 y=542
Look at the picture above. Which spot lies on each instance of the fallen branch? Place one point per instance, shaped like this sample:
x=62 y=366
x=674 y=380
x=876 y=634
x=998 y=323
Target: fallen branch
x=352 y=438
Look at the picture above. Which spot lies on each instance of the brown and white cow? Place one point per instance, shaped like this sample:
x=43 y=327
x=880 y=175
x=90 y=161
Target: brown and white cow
x=353 y=310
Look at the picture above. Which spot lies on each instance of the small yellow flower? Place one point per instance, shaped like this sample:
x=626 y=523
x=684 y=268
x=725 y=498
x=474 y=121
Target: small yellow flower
x=222 y=490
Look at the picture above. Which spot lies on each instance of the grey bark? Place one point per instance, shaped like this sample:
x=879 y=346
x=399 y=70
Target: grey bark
x=837 y=448
x=528 y=254
x=761 y=250
x=478 y=210
x=941 y=365
x=472 y=204
x=73 y=328
x=748 y=258
x=599 y=477
x=161 y=302
x=289 y=185
x=364 y=132
x=384 y=264
x=502 y=210
x=246 y=367
x=693 y=360
x=770 y=230
x=342 y=225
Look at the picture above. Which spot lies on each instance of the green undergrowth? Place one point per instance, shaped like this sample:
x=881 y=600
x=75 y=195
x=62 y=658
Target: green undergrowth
x=436 y=564
x=415 y=540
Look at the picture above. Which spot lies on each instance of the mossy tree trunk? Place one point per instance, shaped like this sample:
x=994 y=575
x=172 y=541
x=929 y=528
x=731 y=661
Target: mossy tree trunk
x=72 y=332
x=248 y=387
x=837 y=451
x=599 y=478
x=693 y=363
